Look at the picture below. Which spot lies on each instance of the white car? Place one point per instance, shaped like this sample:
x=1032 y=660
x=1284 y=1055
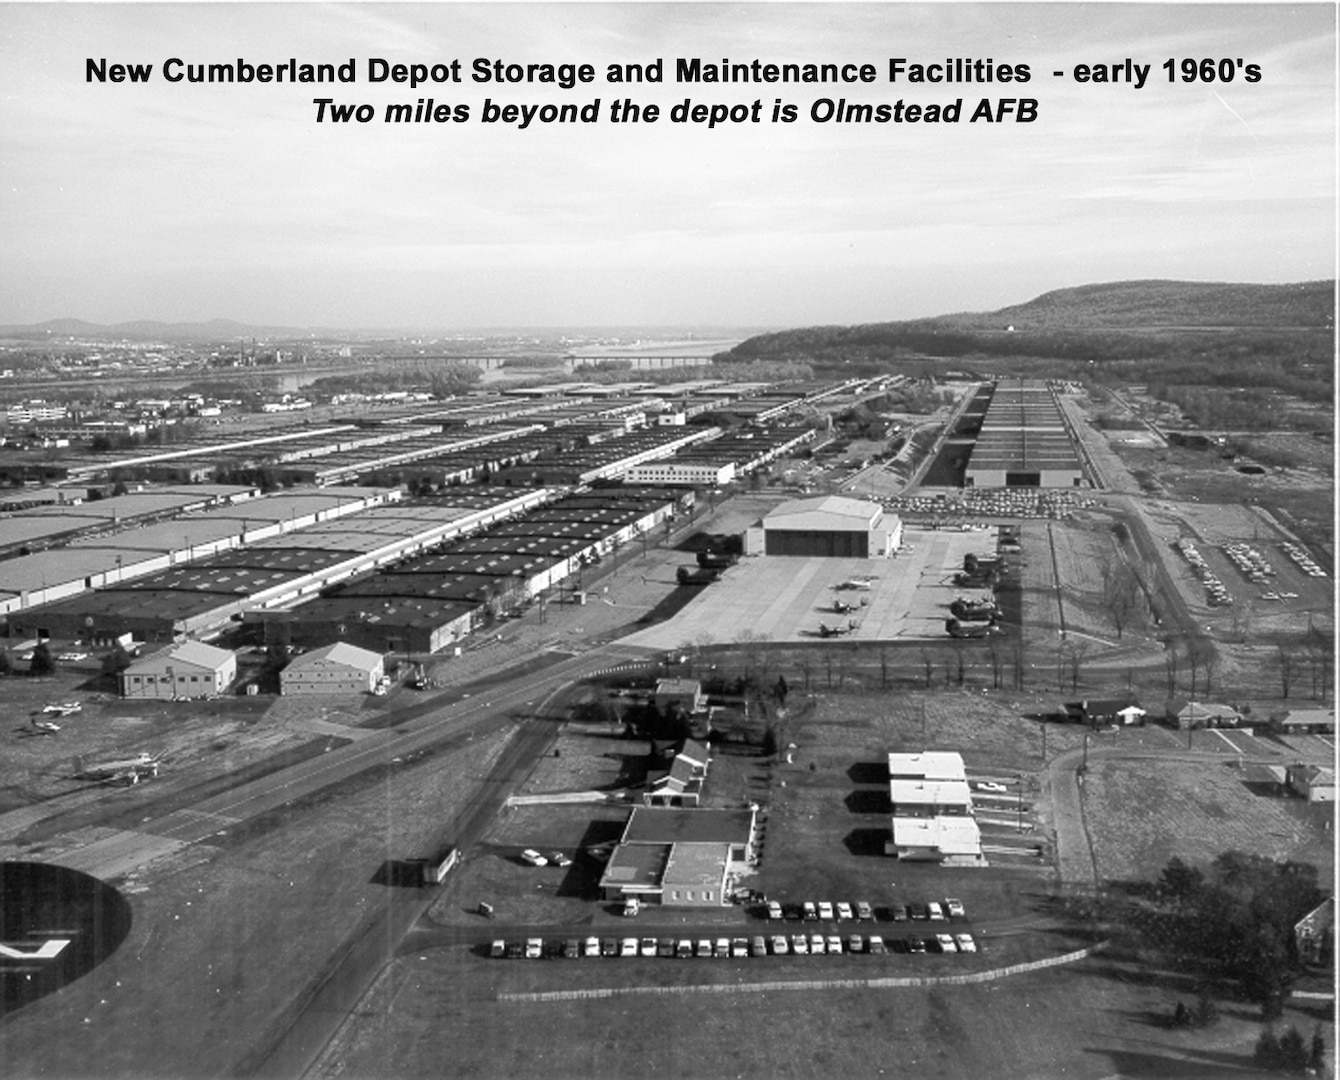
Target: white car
x=774 y=910
x=72 y=657
x=533 y=858
x=990 y=785
x=955 y=908
x=946 y=942
x=825 y=910
x=648 y=946
x=844 y=910
x=935 y=912
x=628 y=947
x=779 y=945
x=965 y=943
x=534 y=948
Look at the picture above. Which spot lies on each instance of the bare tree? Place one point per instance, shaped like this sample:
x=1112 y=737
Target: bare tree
x=1171 y=662
x=927 y=666
x=1286 y=670
x=1018 y=658
x=997 y=661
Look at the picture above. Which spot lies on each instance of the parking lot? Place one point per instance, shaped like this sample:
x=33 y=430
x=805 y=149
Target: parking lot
x=787 y=598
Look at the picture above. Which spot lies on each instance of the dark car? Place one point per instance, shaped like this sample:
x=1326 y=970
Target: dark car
x=609 y=947
x=916 y=945
x=920 y=912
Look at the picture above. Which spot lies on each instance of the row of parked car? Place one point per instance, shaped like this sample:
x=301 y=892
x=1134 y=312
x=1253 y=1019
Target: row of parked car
x=841 y=911
x=778 y=945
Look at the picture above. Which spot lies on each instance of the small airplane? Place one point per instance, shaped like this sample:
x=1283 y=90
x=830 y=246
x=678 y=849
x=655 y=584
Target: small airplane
x=44 y=727
x=841 y=607
x=65 y=708
x=123 y=771
x=837 y=631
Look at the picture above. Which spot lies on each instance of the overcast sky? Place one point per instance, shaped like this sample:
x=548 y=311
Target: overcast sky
x=186 y=202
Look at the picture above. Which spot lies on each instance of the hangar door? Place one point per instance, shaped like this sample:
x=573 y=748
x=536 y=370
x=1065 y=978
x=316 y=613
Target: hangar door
x=824 y=543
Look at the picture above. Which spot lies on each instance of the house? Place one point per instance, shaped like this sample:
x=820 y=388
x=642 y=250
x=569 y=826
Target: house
x=1312 y=782
x=682 y=783
x=1314 y=934
x=1303 y=722
x=687 y=693
x=1105 y=711
x=189 y=670
x=1185 y=715
x=339 y=668
x=932 y=810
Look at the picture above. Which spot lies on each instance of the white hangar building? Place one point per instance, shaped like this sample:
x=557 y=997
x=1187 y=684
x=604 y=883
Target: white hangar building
x=189 y=670
x=340 y=668
x=828 y=526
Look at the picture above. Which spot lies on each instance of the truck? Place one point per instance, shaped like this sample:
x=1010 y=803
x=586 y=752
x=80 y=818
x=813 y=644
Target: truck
x=973 y=610
x=956 y=629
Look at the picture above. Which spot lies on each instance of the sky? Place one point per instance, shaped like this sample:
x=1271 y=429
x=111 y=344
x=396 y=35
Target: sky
x=187 y=201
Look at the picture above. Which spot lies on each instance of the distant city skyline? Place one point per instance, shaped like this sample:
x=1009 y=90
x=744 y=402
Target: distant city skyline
x=187 y=202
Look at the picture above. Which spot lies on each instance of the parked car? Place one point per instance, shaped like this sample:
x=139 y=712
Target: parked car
x=534 y=948
x=609 y=947
x=864 y=911
x=817 y=945
x=834 y=944
x=774 y=910
x=757 y=946
x=920 y=912
x=666 y=947
x=954 y=909
x=916 y=944
x=739 y=947
x=965 y=943
x=516 y=950
x=844 y=910
x=800 y=944
x=533 y=858
x=498 y=949
x=628 y=947
x=631 y=906
x=945 y=943
x=876 y=945
x=559 y=859
x=898 y=912
x=648 y=947
x=684 y=949
x=780 y=947
x=989 y=785
x=935 y=912
x=826 y=910
x=592 y=946
x=722 y=948
x=856 y=944
x=704 y=947
x=572 y=949
x=810 y=912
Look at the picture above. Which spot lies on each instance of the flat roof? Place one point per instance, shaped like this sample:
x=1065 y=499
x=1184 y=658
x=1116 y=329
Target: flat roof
x=651 y=825
x=695 y=865
x=950 y=835
x=928 y=764
x=636 y=864
x=933 y=792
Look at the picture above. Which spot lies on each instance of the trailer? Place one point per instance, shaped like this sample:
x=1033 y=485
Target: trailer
x=435 y=870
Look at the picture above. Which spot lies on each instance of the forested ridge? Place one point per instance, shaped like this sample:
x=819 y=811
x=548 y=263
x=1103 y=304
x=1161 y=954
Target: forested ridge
x=1274 y=338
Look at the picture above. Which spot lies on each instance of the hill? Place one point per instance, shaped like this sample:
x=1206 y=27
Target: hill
x=1165 y=321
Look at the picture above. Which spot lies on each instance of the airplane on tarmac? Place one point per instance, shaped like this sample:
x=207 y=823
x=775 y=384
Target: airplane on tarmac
x=123 y=771
x=44 y=727
x=837 y=631
x=64 y=708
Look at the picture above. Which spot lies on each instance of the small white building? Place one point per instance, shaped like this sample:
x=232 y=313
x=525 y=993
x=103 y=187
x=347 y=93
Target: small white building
x=1314 y=783
x=189 y=670
x=340 y=668
x=952 y=841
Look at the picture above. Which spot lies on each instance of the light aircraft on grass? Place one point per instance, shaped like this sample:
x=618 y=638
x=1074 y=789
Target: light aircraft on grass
x=122 y=771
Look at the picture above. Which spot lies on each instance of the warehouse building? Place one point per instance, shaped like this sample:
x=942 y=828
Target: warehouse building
x=827 y=526
x=1024 y=441
x=189 y=670
x=339 y=668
